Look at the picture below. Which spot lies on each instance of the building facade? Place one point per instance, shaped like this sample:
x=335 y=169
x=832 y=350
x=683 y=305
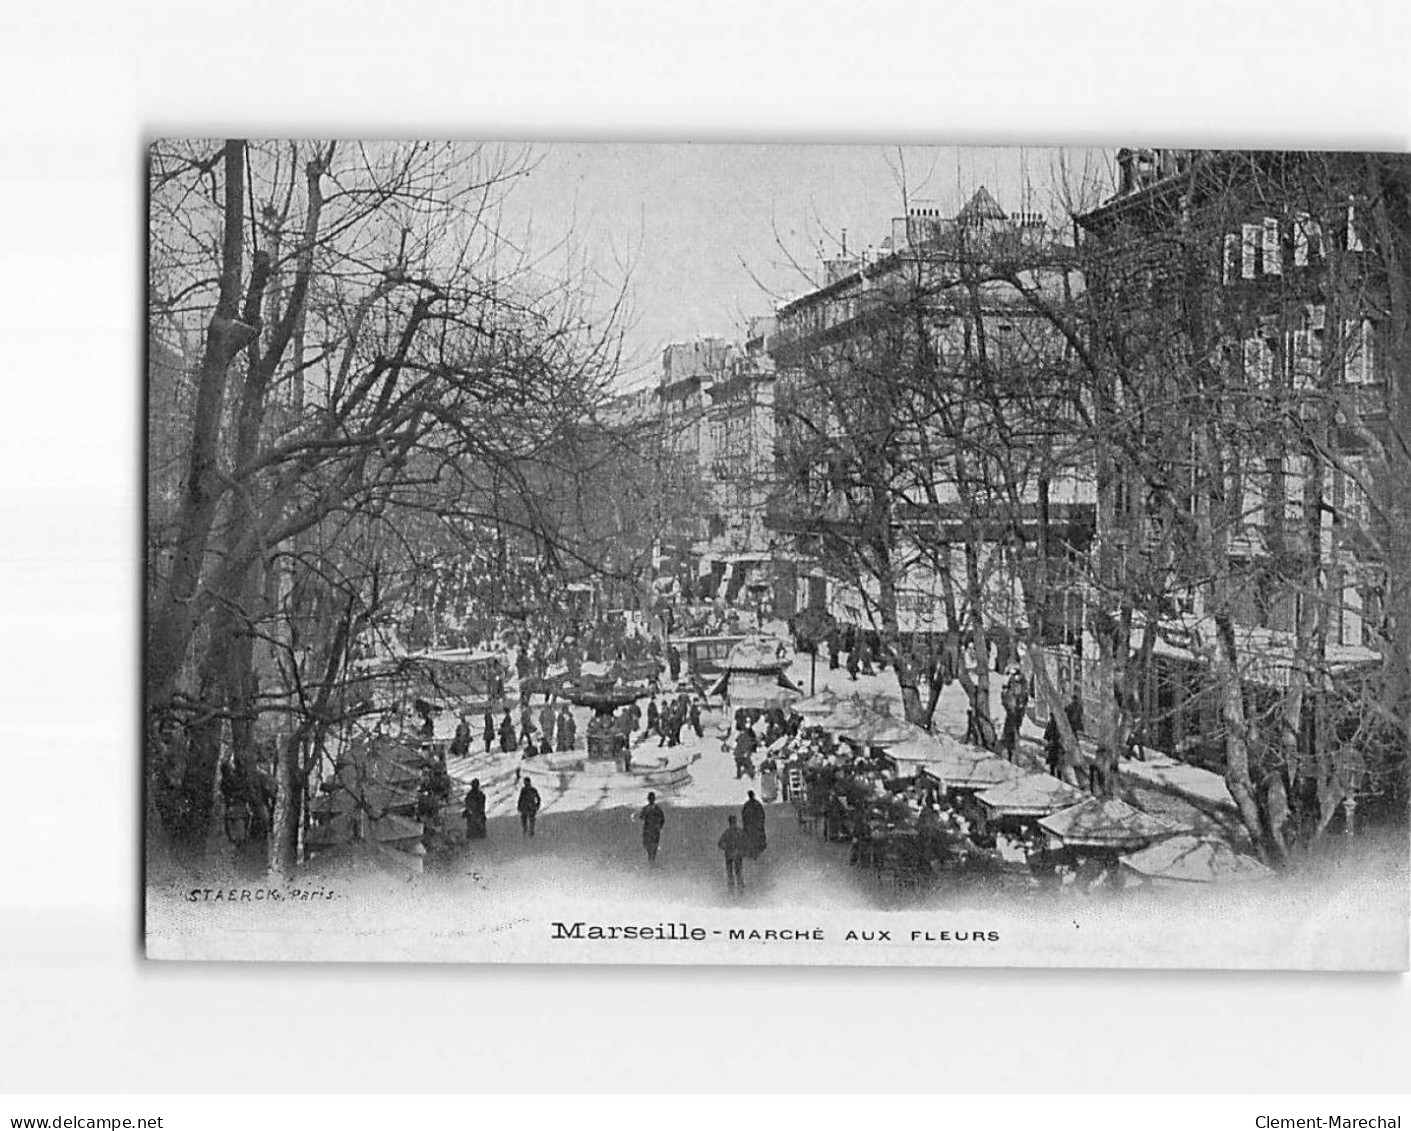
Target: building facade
x=1257 y=296
x=920 y=425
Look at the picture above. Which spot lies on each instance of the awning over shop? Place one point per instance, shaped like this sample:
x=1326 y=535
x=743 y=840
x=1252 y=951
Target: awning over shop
x=755 y=690
x=1036 y=795
x=1185 y=858
x=883 y=731
x=1105 y=823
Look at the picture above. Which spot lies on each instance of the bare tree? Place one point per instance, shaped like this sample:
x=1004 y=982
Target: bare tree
x=376 y=347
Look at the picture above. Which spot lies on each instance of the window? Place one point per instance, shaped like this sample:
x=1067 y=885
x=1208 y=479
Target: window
x=1351 y=622
x=1359 y=352
x=1307 y=239
x=1307 y=349
x=1296 y=470
x=1258 y=363
x=1231 y=260
x=1353 y=505
x=1273 y=247
x=1249 y=250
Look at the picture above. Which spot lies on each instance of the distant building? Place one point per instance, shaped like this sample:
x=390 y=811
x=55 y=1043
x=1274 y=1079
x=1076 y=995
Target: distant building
x=933 y=296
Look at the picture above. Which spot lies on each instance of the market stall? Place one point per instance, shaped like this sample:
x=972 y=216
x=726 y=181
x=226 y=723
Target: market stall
x=1186 y=859
x=1106 y=824
x=1036 y=795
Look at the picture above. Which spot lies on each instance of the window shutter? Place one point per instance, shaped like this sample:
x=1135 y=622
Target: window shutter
x=1249 y=249
x=1354 y=237
x=1273 y=249
x=1232 y=251
x=1252 y=499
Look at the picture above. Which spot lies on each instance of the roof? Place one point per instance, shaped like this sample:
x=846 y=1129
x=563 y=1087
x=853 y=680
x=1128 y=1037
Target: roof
x=1196 y=859
x=1036 y=794
x=981 y=206
x=1105 y=823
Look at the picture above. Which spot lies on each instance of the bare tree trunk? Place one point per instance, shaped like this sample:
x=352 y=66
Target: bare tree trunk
x=176 y=613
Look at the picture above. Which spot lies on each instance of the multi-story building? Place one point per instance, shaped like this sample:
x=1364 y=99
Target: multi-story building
x=914 y=421
x=740 y=427
x=1255 y=294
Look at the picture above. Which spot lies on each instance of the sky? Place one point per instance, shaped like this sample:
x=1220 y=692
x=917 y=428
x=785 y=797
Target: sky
x=706 y=236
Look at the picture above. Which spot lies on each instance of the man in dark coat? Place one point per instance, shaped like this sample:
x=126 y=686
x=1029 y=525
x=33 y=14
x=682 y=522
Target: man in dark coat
x=529 y=802
x=1053 y=747
x=489 y=731
x=653 y=819
x=653 y=717
x=695 y=719
x=673 y=662
x=1074 y=711
x=752 y=822
x=1014 y=699
x=732 y=843
x=546 y=724
x=509 y=741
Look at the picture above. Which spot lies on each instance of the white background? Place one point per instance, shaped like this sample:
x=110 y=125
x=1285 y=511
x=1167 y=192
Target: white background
x=81 y=88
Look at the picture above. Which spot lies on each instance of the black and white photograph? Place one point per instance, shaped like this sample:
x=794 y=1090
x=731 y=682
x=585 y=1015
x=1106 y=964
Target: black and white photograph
x=777 y=553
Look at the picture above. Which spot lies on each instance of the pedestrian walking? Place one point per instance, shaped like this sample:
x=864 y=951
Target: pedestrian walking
x=1014 y=699
x=489 y=731
x=529 y=802
x=752 y=823
x=509 y=741
x=695 y=719
x=653 y=820
x=460 y=744
x=732 y=843
x=474 y=811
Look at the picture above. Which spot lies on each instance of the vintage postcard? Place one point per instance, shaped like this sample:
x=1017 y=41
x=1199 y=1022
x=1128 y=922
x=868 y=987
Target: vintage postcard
x=794 y=554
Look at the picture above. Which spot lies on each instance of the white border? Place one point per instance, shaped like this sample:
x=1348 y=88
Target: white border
x=83 y=84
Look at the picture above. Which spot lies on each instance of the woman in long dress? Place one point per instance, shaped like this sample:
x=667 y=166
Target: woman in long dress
x=474 y=812
x=768 y=780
